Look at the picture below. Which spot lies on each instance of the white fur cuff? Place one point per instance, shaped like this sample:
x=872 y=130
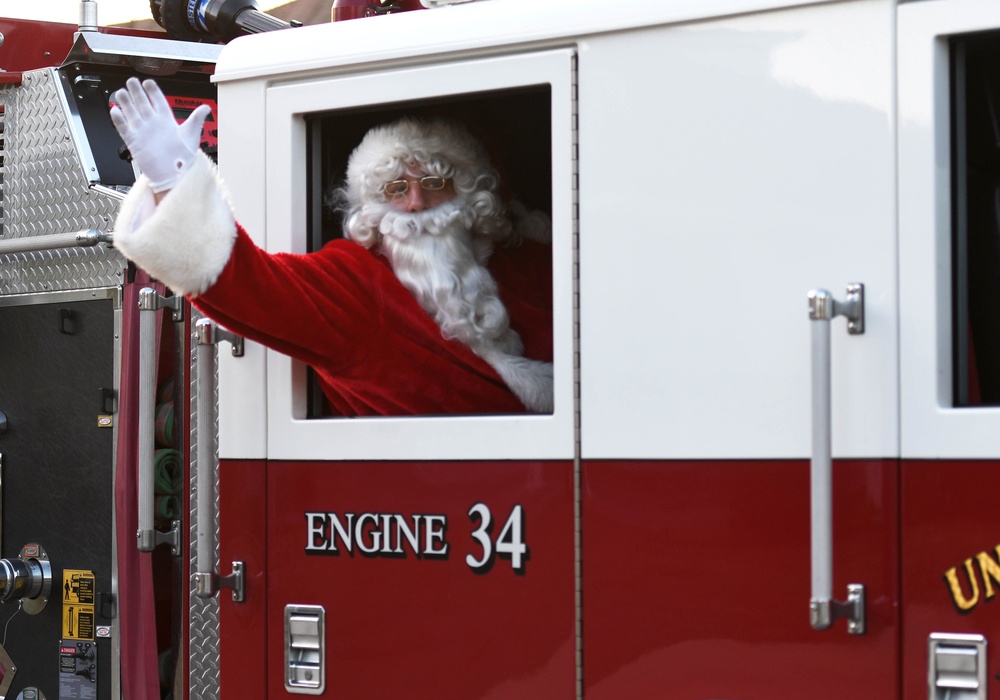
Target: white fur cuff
x=187 y=239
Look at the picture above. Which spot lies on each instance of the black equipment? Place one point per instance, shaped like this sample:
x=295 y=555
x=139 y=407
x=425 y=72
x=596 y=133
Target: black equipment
x=219 y=20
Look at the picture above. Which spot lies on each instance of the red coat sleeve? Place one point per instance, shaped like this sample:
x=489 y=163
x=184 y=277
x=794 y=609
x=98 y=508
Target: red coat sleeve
x=342 y=311
x=311 y=307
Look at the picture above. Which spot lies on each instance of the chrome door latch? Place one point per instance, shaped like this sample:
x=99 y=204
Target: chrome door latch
x=305 y=649
x=956 y=667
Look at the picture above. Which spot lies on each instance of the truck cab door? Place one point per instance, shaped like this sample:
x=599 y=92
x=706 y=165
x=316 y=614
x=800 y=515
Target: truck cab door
x=390 y=554
x=949 y=271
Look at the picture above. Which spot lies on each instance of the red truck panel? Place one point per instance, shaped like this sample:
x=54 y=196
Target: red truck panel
x=407 y=624
x=696 y=579
x=243 y=537
x=950 y=537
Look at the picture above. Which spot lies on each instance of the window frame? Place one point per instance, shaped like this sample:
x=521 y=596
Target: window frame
x=932 y=426
x=290 y=433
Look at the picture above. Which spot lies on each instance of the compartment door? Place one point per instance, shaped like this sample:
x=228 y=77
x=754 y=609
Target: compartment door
x=770 y=172
x=57 y=386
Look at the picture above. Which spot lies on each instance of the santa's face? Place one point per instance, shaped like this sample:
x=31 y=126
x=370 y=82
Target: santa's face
x=420 y=192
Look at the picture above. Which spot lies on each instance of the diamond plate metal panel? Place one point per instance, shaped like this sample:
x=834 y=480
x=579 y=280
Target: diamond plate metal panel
x=45 y=191
x=204 y=677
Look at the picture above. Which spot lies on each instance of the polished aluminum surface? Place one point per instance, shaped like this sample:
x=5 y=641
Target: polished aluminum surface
x=130 y=51
x=52 y=241
x=203 y=654
x=305 y=649
x=956 y=666
x=147 y=418
x=823 y=610
x=45 y=192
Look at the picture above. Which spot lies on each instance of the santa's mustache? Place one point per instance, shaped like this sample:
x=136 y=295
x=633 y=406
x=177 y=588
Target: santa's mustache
x=436 y=221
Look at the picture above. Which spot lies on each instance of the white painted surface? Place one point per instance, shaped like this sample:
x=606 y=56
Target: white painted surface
x=242 y=381
x=931 y=427
x=754 y=163
x=494 y=27
x=757 y=164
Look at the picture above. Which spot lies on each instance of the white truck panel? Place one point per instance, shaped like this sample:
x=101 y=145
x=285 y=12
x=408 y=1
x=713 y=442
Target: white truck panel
x=931 y=426
x=662 y=111
x=242 y=387
x=754 y=163
x=443 y=33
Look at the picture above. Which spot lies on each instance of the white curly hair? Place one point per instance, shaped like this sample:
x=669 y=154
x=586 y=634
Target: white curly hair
x=433 y=147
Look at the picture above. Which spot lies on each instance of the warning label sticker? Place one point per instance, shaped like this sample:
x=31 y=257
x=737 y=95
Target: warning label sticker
x=77 y=670
x=78 y=587
x=78 y=622
x=78 y=604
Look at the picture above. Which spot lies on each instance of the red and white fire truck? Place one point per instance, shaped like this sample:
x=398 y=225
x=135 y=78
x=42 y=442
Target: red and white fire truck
x=769 y=473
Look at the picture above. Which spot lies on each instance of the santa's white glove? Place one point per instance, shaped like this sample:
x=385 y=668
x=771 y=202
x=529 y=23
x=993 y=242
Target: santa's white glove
x=162 y=148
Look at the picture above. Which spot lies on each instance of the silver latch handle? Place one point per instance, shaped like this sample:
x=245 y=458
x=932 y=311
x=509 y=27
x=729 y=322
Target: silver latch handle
x=957 y=667
x=207 y=582
x=823 y=609
x=305 y=649
x=148 y=538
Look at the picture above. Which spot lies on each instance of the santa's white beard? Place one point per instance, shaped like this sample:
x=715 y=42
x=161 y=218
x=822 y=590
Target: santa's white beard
x=436 y=259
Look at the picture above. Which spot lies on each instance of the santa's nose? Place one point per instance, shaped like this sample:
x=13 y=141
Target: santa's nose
x=415 y=198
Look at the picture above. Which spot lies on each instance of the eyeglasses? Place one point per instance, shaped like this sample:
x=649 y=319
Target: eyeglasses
x=431 y=183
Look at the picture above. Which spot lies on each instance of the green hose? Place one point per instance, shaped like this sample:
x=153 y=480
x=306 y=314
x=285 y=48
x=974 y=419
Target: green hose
x=168 y=471
x=168 y=507
x=165 y=424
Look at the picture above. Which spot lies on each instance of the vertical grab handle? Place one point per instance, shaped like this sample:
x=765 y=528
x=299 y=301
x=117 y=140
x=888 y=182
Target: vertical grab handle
x=823 y=609
x=148 y=538
x=207 y=582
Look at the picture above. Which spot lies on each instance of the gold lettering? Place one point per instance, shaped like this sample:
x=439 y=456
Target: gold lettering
x=957 y=596
x=990 y=569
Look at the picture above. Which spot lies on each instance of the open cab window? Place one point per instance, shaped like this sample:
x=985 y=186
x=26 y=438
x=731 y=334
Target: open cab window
x=514 y=127
x=975 y=160
x=521 y=107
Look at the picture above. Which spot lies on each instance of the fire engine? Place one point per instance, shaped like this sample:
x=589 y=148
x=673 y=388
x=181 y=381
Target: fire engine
x=769 y=472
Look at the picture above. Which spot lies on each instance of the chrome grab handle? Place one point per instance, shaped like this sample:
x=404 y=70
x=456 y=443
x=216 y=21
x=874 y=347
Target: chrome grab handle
x=85 y=238
x=206 y=581
x=823 y=609
x=148 y=538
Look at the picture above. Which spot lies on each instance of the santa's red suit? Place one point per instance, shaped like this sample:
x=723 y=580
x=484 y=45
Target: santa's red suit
x=341 y=310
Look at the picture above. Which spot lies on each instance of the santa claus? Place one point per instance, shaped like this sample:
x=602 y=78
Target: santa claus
x=437 y=301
